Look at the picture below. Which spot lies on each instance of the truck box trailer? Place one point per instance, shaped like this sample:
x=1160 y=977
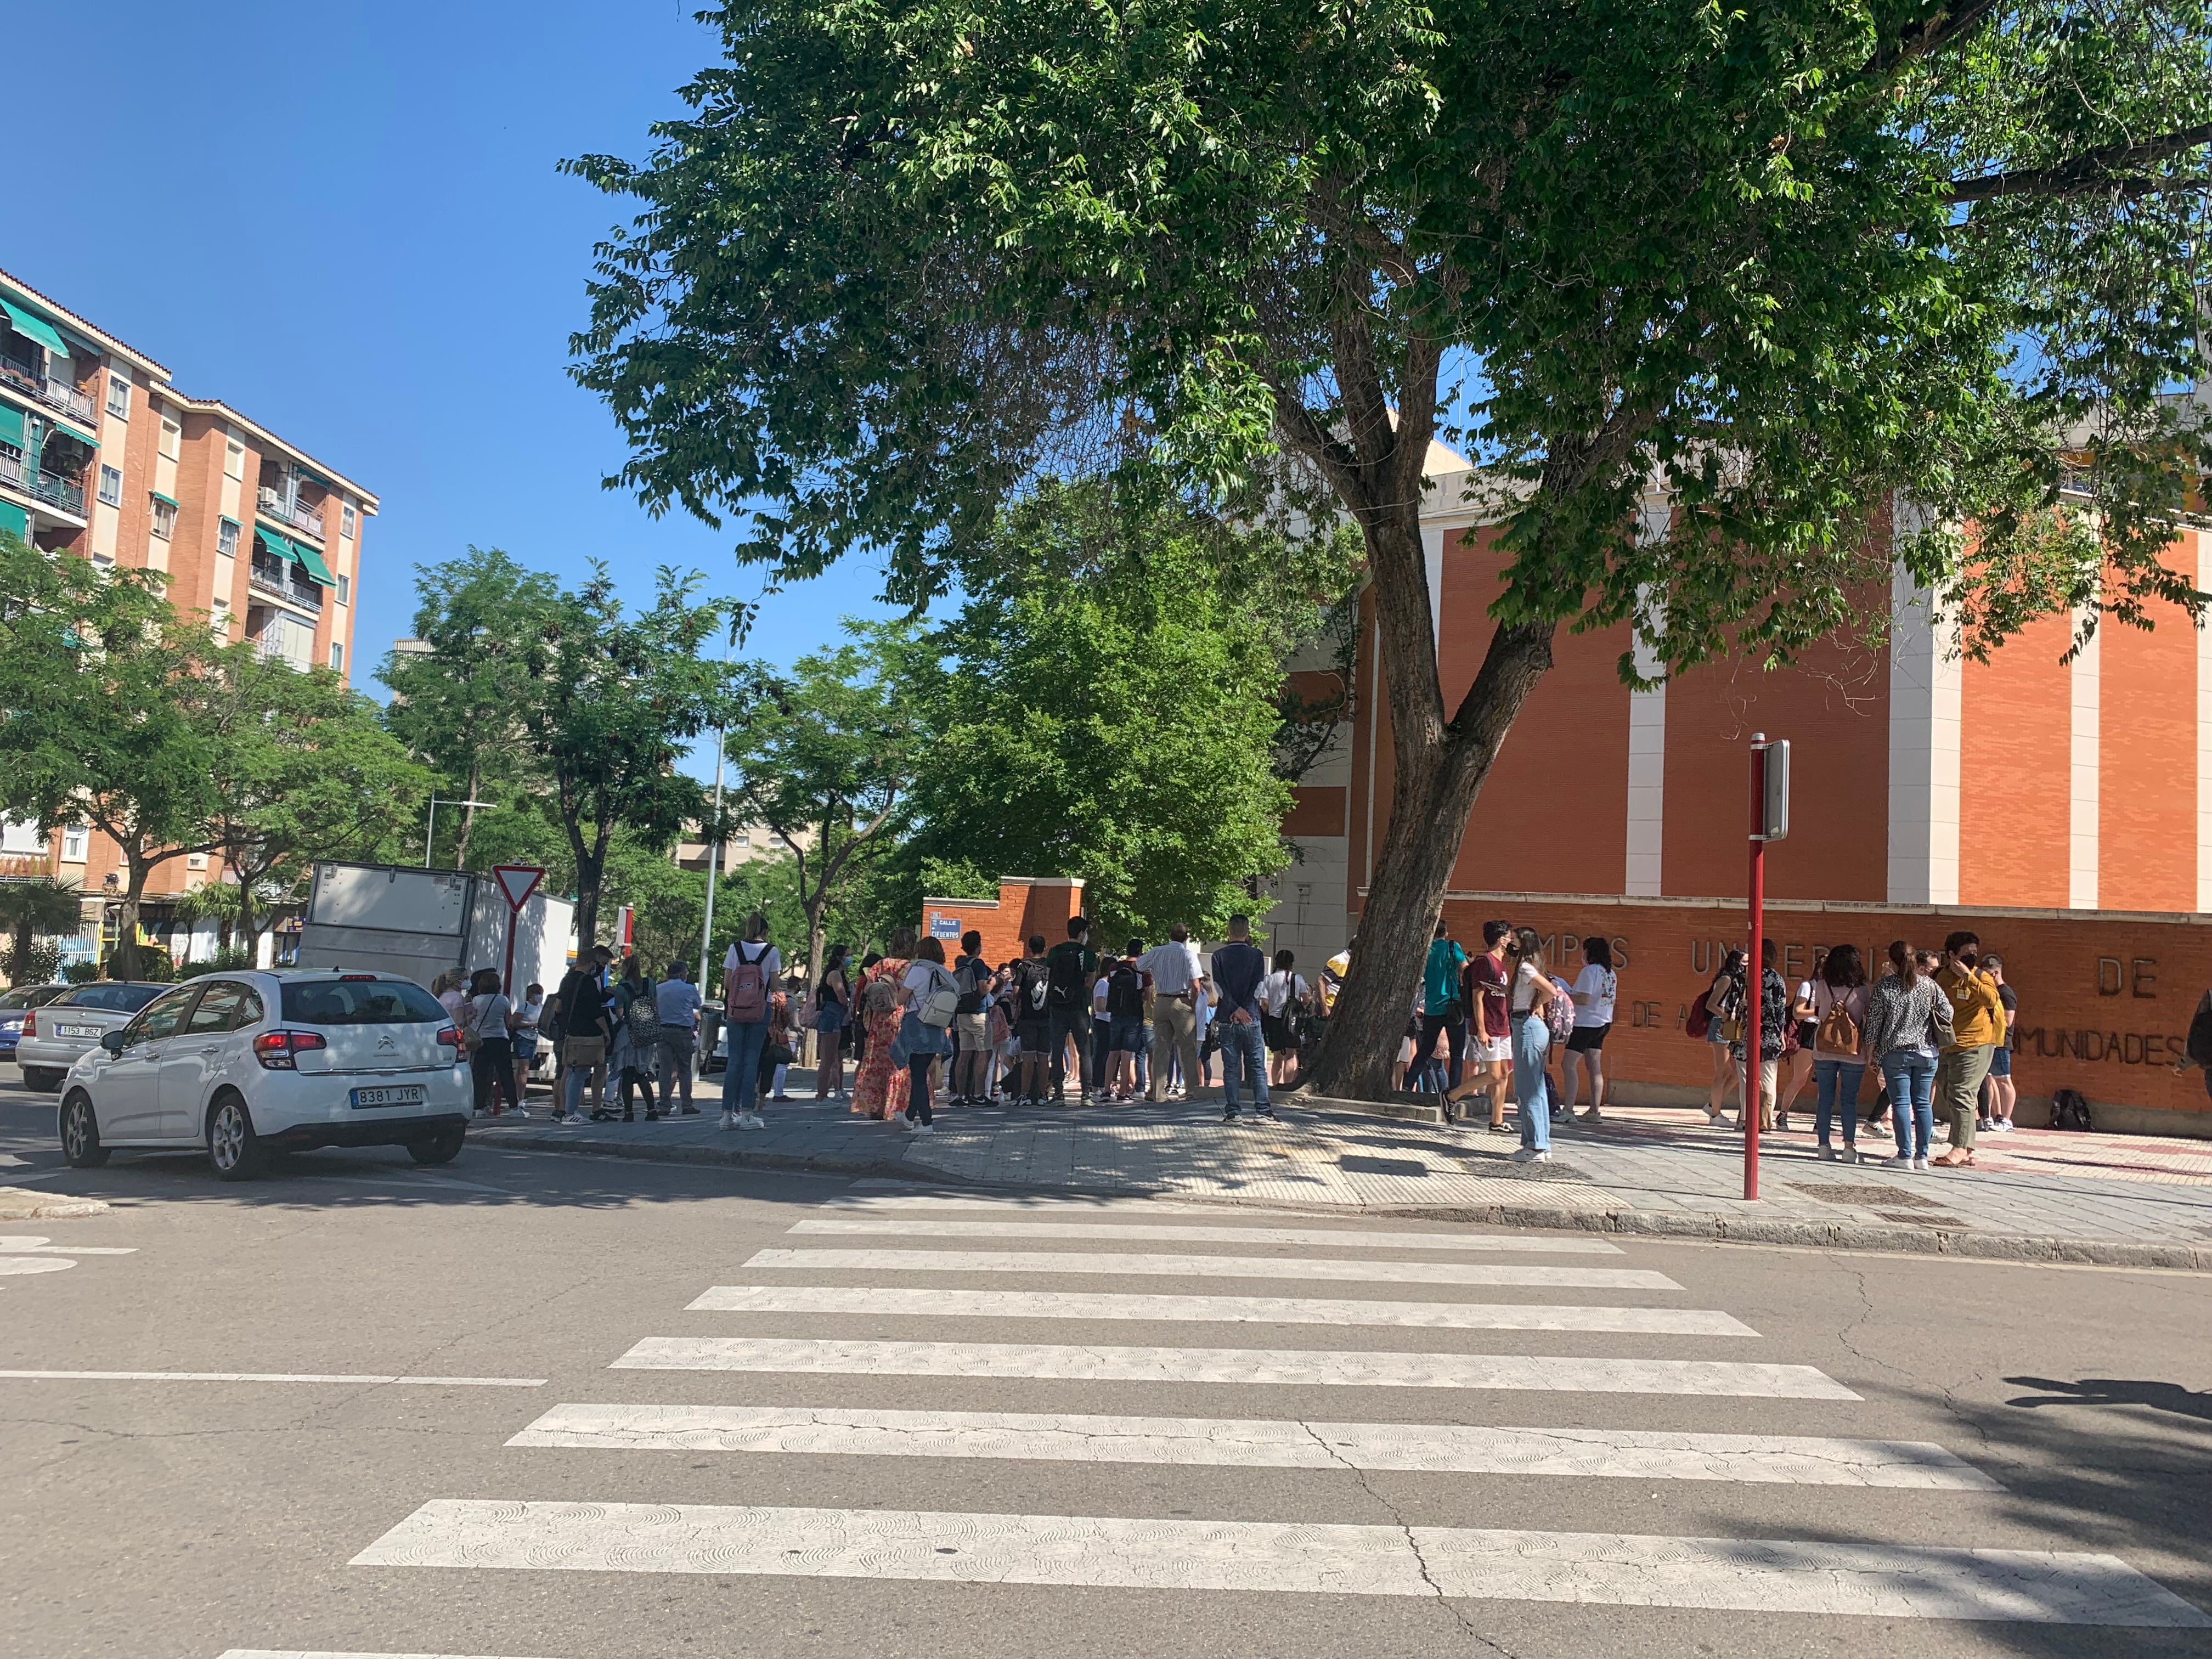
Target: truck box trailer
x=396 y=919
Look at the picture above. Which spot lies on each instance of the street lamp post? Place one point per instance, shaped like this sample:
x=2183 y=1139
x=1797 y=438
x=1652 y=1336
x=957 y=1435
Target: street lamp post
x=1769 y=821
x=430 y=829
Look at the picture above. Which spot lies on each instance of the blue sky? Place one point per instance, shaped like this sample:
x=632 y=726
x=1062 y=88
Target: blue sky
x=343 y=219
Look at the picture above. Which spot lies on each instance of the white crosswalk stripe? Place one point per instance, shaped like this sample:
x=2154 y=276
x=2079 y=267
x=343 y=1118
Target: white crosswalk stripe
x=1748 y=1574
x=1214 y=1310
x=1850 y=1569
x=1215 y=1267
x=1239 y=1366
x=321 y=1653
x=1436 y=1448
x=1105 y=1231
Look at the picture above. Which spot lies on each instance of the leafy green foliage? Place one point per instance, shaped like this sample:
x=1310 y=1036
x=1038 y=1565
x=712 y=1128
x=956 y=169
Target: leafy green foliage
x=32 y=910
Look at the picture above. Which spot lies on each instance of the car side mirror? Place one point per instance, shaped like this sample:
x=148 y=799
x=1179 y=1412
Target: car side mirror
x=114 y=1041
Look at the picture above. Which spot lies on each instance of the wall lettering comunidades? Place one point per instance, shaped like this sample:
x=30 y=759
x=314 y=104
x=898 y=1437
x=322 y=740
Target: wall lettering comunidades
x=2123 y=1047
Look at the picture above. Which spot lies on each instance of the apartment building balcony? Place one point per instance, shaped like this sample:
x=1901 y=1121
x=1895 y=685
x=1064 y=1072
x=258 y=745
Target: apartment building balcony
x=275 y=579
x=55 y=394
x=296 y=514
x=57 y=491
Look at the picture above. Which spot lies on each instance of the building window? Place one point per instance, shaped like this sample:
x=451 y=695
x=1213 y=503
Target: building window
x=165 y=517
x=75 y=837
x=110 y=485
x=345 y=522
x=234 y=459
x=226 y=537
x=338 y=656
x=170 y=433
x=346 y=589
x=196 y=860
x=118 y=397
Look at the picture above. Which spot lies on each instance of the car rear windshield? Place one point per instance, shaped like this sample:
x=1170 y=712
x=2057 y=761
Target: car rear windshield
x=361 y=1002
x=24 y=997
x=117 y=999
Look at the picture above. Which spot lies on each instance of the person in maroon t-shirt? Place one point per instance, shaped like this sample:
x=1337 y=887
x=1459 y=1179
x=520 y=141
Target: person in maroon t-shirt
x=1490 y=1051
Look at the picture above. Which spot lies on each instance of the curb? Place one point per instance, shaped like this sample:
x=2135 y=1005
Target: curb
x=1689 y=1227
x=21 y=1204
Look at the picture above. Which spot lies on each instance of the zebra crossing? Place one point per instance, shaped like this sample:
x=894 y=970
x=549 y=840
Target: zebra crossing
x=1024 y=1553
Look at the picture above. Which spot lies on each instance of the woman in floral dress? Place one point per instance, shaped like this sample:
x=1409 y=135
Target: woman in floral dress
x=879 y=1089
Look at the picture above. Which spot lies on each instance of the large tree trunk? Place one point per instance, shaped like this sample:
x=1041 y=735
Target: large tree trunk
x=591 y=865
x=125 y=964
x=1441 y=766
x=247 y=933
x=468 y=816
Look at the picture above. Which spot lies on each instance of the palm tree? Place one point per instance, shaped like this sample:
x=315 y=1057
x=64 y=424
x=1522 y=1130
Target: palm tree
x=31 y=907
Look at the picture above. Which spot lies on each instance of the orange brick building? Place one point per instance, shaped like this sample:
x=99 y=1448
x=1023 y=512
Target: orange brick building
x=2061 y=810
x=102 y=457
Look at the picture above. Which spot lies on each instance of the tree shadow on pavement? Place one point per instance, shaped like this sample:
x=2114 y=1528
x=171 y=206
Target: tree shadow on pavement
x=2114 y=1391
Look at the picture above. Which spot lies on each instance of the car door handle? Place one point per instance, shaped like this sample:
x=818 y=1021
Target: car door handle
x=212 y=1049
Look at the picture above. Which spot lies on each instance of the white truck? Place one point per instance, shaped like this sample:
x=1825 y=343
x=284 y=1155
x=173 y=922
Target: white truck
x=395 y=918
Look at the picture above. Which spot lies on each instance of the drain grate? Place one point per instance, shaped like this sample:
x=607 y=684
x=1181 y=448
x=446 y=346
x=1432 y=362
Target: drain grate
x=1922 y=1218
x=1863 y=1198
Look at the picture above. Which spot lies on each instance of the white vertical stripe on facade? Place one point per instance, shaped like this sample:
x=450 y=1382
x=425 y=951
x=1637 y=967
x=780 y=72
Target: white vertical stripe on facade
x=1647 y=741
x=2084 y=770
x=2204 y=735
x=1433 y=557
x=1925 y=688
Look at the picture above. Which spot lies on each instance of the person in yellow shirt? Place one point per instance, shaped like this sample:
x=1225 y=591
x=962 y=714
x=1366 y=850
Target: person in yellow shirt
x=1977 y=1025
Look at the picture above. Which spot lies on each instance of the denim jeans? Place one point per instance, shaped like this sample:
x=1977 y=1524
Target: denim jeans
x=1242 y=1044
x=1911 y=1073
x=1837 y=1084
x=741 y=1076
x=1532 y=1041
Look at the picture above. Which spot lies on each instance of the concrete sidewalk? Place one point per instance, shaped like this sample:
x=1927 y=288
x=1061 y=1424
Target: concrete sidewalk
x=2035 y=1195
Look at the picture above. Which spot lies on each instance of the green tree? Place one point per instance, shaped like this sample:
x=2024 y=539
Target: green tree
x=304 y=769
x=607 y=708
x=1789 y=264
x=456 y=703
x=107 y=718
x=825 y=759
x=31 y=909
x=1108 y=709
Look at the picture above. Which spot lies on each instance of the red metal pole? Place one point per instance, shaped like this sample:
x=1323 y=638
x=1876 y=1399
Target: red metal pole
x=1755 y=969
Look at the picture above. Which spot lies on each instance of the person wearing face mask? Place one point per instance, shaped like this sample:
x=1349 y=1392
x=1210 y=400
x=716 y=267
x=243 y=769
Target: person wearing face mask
x=1977 y=1025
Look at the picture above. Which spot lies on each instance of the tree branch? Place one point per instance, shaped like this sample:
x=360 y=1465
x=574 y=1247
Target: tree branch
x=2109 y=167
x=1306 y=434
x=1930 y=35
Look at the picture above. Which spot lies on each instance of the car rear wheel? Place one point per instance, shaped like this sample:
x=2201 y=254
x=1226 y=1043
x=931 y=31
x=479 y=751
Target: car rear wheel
x=43 y=1078
x=440 y=1148
x=233 y=1147
x=81 y=1134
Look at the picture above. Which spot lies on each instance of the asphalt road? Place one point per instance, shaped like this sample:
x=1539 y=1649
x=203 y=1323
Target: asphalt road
x=147 y=1515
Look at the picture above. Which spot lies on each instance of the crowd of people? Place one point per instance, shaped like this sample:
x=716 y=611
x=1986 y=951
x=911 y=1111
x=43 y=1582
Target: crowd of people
x=1934 y=1031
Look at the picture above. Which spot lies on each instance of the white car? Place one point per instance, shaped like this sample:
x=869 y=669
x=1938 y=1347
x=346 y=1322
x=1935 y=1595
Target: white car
x=251 y=1063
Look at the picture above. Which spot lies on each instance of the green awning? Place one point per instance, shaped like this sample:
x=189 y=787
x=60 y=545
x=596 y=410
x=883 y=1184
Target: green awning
x=311 y=562
x=275 y=546
x=15 y=520
x=11 y=425
x=223 y=518
x=36 y=328
x=170 y=501
x=63 y=431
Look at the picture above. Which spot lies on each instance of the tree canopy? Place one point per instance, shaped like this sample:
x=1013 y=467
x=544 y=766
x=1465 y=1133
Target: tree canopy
x=1785 y=267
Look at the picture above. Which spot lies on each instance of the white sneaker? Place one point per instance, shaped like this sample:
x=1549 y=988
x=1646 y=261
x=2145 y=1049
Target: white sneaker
x=924 y=1129
x=1922 y=1165
x=1531 y=1155
x=1900 y=1162
x=729 y=1119
x=1828 y=1152
x=1851 y=1154
x=572 y=1118
x=751 y=1120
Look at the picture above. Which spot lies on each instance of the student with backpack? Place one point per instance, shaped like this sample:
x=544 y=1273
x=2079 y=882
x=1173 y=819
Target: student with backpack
x=1908 y=1020
x=1070 y=966
x=1032 y=1017
x=1125 y=988
x=930 y=1000
x=972 y=1024
x=749 y=971
x=1442 y=1010
x=832 y=1008
x=637 y=1038
x=1840 y=1057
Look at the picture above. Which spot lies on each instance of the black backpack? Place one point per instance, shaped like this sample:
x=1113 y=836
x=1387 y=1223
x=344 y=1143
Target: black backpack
x=1125 y=993
x=1034 y=988
x=2200 y=1033
x=970 y=979
x=1067 y=969
x=2069 y=1111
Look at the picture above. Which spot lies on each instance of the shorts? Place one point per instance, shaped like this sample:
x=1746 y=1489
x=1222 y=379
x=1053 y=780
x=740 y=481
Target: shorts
x=1491 y=1051
x=1127 y=1034
x=1035 y=1037
x=1587 y=1039
x=975 y=1031
x=1278 y=1033
x=526 y=1048
x=2000 y=1062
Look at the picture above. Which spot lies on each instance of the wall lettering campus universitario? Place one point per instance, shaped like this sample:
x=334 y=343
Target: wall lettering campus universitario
x=2105 y=1003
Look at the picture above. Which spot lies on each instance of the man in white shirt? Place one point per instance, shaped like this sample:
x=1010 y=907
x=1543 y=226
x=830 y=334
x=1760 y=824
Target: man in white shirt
x=1175 y=972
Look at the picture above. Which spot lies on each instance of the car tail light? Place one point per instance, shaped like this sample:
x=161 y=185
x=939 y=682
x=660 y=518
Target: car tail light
x=275 y=1050
x=31 y=1024
x=450 y=1038
x=352 y=979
